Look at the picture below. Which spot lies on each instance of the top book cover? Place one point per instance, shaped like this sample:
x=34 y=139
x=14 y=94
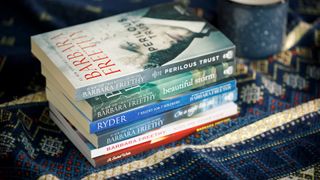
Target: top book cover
x=129 y=49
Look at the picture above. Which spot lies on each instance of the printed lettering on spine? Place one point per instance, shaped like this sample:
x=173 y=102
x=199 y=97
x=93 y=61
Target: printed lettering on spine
x=129 y=98
x=140 y=127
x=128 y=49
x=160 y=107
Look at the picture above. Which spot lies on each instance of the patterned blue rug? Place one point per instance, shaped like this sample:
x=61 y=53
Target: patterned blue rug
x=276 y=135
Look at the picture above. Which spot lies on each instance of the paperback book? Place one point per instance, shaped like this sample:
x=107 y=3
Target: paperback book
x=129 y=49
x=129 y=98
x=139 y=113
x=142 y=126
x=80 y=142
x=223 y=111
x=131 y=151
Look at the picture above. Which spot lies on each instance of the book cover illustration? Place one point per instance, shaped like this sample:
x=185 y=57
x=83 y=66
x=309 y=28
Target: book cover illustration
x=125 y=50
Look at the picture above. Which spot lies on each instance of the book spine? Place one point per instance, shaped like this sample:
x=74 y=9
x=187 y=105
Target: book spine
x=159 y=107
x=223 y=111
x=123 y=100
x=140 y=127
x=155 y=74
x=131 y=151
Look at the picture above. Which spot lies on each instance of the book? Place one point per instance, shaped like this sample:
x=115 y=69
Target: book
x=131 y=151
x=129 y=98
x=117 y=134
x=223 y=111
x=129 y=49
x=139 y=113
x=131 y=130
x=81 y=145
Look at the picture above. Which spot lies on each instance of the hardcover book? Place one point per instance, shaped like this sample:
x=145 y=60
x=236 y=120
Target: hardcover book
x=184 y=124
x=56 y=97
x=129 y=49
x=116 y=102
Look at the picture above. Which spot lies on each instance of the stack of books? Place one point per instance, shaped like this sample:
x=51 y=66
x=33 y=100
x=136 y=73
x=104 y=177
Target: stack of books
x=121 y=85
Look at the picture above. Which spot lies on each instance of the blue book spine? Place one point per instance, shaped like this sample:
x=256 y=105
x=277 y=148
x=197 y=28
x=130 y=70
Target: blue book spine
x=159 y=107
x=134 y=129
